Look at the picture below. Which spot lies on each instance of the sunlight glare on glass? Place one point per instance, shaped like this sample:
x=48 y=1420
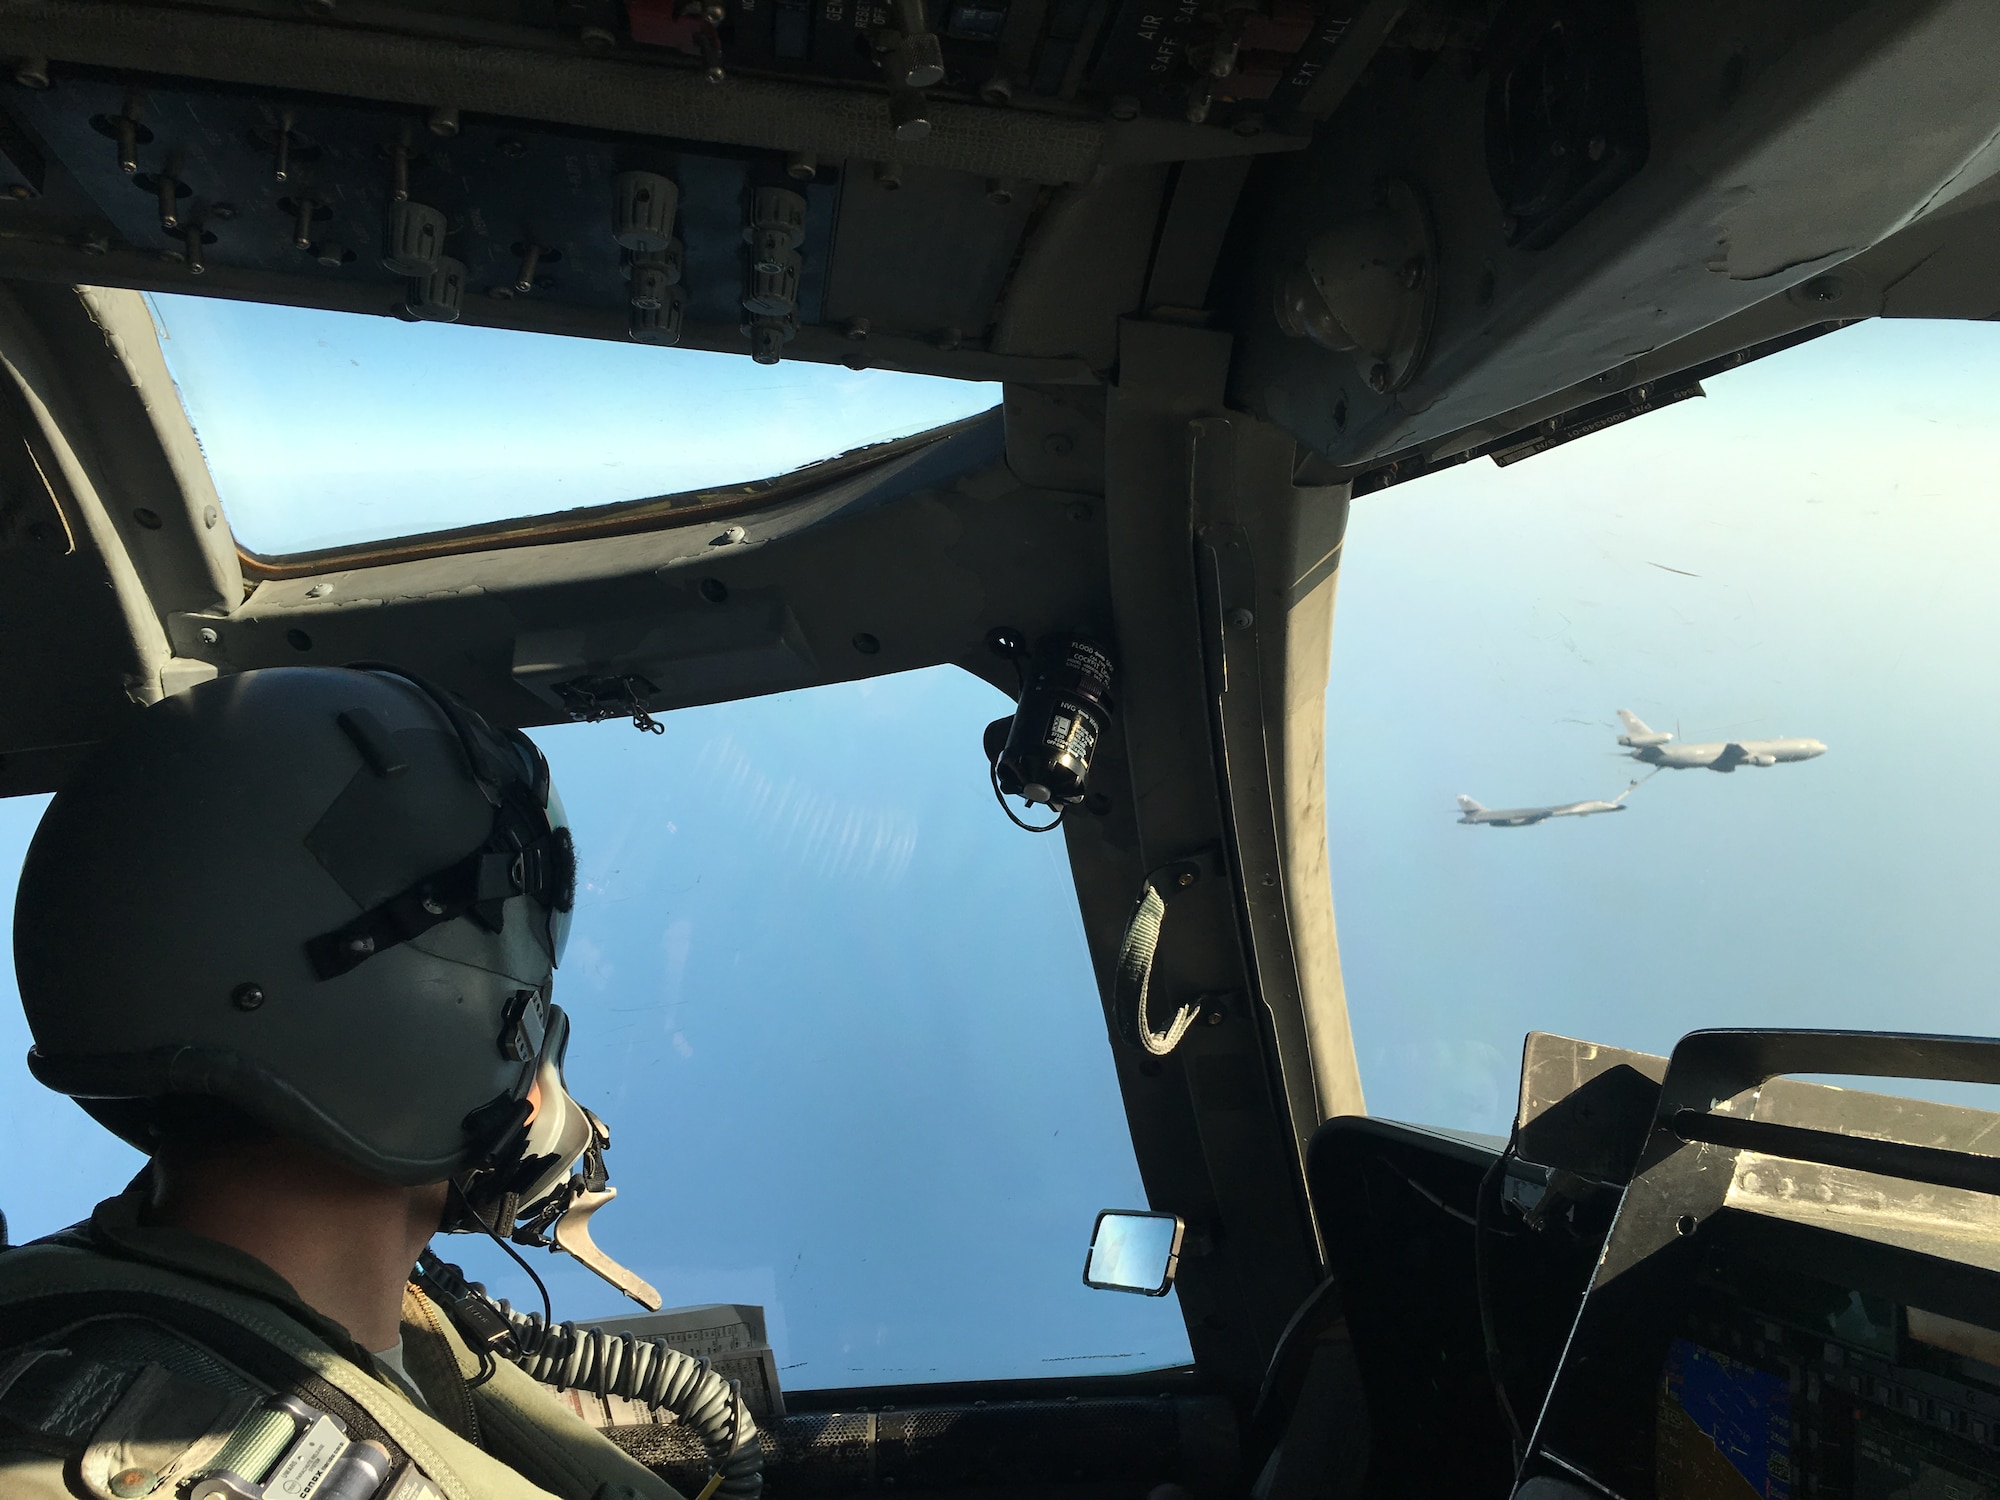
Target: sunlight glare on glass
x=325 y=429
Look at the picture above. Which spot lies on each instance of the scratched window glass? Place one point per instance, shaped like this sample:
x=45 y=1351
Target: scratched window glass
x=472 y=425
x=840 y=1018
x=1786 y=586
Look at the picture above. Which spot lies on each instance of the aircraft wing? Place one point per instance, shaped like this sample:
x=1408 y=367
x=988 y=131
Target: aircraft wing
x=1733 y=755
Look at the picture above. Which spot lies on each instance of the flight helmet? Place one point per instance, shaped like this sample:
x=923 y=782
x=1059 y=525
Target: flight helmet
x=331 y=898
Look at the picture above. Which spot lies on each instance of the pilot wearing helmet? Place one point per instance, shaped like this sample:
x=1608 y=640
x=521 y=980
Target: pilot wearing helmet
x=292 y=935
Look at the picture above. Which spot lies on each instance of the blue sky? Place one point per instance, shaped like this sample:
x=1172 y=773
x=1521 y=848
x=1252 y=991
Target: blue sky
x=323 y=427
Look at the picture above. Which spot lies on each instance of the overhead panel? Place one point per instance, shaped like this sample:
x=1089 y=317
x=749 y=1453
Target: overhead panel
x=851 y=181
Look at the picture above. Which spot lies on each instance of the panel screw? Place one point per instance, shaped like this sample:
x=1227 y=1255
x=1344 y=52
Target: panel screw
x=1077 y=510
x=1241 y=618
x=1058 y=445
x=443 y=121
x=130 y=1482
x=363 y=945
x=1186 y=879
x=32 y=72
x=866 y=644
x=857 y=328
x=714 y=590
x=247 y=996
x=1124 y=107
x=208 y=635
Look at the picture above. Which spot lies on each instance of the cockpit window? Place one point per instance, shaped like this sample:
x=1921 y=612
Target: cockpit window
x=1805 y=555
x=839 y=1016
x=327 y=429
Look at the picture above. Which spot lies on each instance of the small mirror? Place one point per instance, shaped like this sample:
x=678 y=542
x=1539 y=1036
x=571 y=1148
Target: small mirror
x=1132 y=1250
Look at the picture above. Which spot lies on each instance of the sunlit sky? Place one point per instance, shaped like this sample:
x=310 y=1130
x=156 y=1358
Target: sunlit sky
x=845 y=1033
x=323 y=428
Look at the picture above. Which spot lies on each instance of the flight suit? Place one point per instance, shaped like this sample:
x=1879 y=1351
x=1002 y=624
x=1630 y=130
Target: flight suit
x=133 y=1357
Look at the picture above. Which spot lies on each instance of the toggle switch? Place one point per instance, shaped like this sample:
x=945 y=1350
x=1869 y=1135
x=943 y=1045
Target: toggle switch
x=913 y=59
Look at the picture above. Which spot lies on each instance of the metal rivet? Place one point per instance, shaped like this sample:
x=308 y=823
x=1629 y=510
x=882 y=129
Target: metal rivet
x=1058 y=445
x=1684 y=1225
x=363 y=945
x=443 y=121
x=247 y=996
x=1124 y=107
x=433 y=906
x=1185 y=879
x=1213 y=1018
x=802 y=166
x=130 y=1482
x=32 y=72
x=857 y=329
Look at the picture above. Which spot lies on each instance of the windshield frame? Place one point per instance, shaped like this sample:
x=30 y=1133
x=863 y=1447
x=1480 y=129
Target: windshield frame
x=588 y=522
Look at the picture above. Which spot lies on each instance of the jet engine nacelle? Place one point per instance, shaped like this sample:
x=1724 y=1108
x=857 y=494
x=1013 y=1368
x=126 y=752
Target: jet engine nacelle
x=1763 y=760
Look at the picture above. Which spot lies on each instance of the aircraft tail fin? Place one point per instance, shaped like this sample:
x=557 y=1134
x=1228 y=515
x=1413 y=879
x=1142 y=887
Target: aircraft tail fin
x=1638 y=733
x=1466 y=804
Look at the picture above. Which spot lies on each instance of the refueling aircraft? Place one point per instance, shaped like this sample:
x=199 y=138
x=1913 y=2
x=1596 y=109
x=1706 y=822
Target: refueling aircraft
x=1656 y=748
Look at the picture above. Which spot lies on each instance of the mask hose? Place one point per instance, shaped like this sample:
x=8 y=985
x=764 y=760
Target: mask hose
x=646 y=1370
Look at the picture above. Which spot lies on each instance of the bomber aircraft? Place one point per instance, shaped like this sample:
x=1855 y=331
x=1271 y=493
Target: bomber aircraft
x=1471 y=812
x=1656 y=748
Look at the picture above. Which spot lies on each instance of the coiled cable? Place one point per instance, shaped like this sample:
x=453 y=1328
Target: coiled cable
x=650 y=1371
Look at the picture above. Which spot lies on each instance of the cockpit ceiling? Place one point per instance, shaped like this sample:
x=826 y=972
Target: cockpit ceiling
x=288 y=158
